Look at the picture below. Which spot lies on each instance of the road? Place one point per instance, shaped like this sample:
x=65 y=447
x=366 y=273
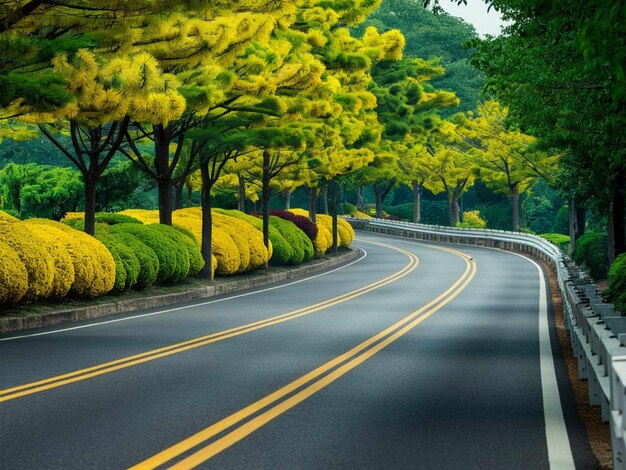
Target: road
x=416 y=356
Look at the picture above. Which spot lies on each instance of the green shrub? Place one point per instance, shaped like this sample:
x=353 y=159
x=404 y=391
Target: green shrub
x=148 y=260
x=196 y=263
x=592 y=254
x=560 y=240
x=187 y=245
x=616 y=292
x=172 y=266
x=108 y=218
x=127 y=265
x=348 y=209
x=297 y=239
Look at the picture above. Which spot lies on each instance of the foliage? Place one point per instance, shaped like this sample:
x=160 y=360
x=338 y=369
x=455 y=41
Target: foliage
x=616 y=292
x=94 y=267
x=77 y=219
x=13 y=275
x=33 y=252
x=560 y=240
x=433 y=212
x=296 y=238
x=172 y=266
x=63 y=266
x=591 y=253
x=181 y=253
x=302 y=222
x=127 y=265
x=472 y=219
x=147 y=258
x=7 y=218
x=39 y=190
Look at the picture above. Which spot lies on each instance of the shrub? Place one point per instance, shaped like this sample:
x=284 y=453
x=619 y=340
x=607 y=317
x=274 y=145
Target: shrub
x=127 y=265
x=560 y=240
x=7 y=218
x=13 y=276
x=226 y=257
x=258 y=255
x=302 y=222
x=148 y=260
x=345 y=233
x=34 y=252
x=220 y=222
x=171 y=256
x=196 y=262
x=143 y=215
x=299 y=242
x=77 y=219
x=63 y=266
x=323 y=242
x=592 y=253
x=185 y=245
x=349 y=209
x=472 y=219
x=616 y=292
x=94 y=266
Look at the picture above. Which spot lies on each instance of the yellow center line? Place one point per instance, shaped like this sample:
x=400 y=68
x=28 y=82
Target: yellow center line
x=354 y=356
x=130 y=361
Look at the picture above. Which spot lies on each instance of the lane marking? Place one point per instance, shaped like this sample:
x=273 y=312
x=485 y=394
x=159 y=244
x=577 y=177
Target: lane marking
x=559 y=450
x=130 y=361
x=200 y=304
x=341 y=365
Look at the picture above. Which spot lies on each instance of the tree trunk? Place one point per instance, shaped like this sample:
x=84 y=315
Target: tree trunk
x=241 y=194
x=324 y=197
x=207 y=225
x=515 y=202
x=417 y=201
x=265 y=196
x=576 y=223
x=165 y=201
x=90 y=202
x=379 y=201
x=287 y=194
x=189 y=196
x=178 y=195
x=360 y=204
x=617 y=212
x=454 y=211
x=312 y=203
x=162 y=142
x=333 y=209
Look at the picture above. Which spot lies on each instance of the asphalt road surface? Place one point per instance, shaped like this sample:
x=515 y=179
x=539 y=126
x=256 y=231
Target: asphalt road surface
x=416 y=356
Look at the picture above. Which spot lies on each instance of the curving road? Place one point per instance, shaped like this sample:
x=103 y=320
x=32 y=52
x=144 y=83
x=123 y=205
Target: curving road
x=416 y=356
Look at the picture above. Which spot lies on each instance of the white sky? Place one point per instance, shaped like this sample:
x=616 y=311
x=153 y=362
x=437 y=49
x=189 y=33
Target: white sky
x=475 y=12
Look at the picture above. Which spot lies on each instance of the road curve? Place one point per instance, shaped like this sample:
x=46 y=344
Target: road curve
x=417 y=356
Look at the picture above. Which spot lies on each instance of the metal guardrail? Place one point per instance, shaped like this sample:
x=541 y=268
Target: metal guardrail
x=596 y=331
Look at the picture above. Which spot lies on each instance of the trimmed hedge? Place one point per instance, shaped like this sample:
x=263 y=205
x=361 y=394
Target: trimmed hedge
x=127 y=265
x=7 y=218
x=302 y=222
x=148 y=260
x=560 y=240
x=13 y=275
x=173 y=258
x=94 y=266
x=77 y=219
x=144 y=215
x=186 y=240
x=323 y=242
x=616 y=292
x=64 y=267
x=297 y=239
x=592 y=253
x=345 y=233
x=34 y=252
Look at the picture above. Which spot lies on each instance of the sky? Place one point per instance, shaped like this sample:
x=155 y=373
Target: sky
x=475 y=12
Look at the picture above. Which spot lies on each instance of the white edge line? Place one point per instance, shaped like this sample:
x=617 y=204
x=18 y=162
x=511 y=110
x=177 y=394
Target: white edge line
x=559 y=450
x=134 y=317
x=560 y=455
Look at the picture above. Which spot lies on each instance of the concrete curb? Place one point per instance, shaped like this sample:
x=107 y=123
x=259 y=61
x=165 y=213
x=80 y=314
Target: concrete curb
x=13 y=324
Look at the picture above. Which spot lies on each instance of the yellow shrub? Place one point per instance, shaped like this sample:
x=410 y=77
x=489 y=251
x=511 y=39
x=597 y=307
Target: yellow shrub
x=5 y=218
x=73 y=215
x=345 y=232
x=13 y=276
x=146 y=216
x=64 y=267
x=323 y=241
x=257 y=252
x=94 y=267
x=34 y=254
x=348 y=235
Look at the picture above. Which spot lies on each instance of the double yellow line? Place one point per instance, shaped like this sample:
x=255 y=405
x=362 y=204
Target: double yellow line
x=273 y=405
x=130 y=361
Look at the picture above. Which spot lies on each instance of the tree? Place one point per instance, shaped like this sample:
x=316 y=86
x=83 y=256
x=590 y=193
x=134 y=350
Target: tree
x=506 y=159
